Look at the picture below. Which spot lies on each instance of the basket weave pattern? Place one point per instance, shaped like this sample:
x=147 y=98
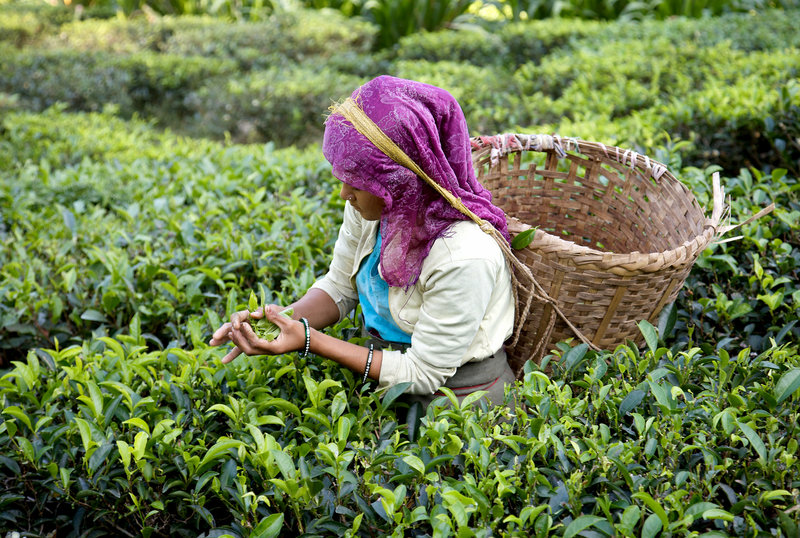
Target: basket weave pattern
x=617 y=235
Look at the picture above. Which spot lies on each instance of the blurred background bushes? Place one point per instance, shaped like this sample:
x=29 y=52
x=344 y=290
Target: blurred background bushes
x=634 y=80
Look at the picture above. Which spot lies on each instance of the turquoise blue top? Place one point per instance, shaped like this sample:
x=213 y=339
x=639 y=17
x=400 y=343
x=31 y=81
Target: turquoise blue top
x=373 y=294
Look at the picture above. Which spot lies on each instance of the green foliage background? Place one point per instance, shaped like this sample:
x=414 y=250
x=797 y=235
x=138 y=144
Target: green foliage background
x=155 y=170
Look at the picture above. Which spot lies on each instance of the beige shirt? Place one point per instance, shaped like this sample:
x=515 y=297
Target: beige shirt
x=460 y=310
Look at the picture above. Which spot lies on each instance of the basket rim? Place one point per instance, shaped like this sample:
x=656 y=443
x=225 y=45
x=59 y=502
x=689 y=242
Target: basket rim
x=621 y=264
x=584 y=257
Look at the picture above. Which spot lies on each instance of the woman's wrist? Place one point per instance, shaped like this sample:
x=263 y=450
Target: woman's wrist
x=347 y=354
x=307 y=341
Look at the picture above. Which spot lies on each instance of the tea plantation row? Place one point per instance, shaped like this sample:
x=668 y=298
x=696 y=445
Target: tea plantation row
x=628 y=83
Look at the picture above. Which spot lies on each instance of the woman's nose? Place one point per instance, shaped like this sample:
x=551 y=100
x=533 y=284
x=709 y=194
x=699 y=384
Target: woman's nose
x=346 y=192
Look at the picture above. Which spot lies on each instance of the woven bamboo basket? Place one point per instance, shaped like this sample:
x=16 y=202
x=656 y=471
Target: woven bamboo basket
x=617 y=236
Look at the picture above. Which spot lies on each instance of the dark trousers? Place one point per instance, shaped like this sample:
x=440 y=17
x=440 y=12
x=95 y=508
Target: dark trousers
x=491 y=374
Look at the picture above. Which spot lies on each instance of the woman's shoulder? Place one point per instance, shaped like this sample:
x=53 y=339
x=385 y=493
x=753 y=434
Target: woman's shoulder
x=464 y=240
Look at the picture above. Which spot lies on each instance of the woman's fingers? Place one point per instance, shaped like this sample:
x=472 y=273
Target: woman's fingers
x=243 y=316
x=232 y=354
x=221 y=335
x=273 y=314
x=238 y=331
x=237 y=318
x=241 y=333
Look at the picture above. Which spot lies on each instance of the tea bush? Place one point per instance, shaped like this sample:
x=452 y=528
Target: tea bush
x=758 y=30
x=284 y=105
x=20 y=29
x=745 y=294
x=120 y=416
x=290 y=36
x=45 y=15
x=114 y=176
x=622 y=82
x=108 y=436
x=473 y=47
x=147 y=83
x=720 y=98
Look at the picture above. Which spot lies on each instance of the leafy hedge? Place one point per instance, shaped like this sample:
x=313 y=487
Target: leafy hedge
x=284 y=37
x=472 y=47
x=108 y=436
x=146 y=83
x=205 y=77
x=93 y=176
x=285 y=105
x=124 y=246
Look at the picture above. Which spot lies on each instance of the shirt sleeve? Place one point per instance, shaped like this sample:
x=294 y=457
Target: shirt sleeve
x=455 y=298
x=336 y=282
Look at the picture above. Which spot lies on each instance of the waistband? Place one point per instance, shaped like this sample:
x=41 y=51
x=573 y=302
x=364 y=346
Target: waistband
x=478 y=375
x=472 y=376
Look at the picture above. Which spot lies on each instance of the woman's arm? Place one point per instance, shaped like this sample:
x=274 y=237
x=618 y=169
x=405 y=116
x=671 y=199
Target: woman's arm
x=330 y=297
x=292 y=338
x=316 y=306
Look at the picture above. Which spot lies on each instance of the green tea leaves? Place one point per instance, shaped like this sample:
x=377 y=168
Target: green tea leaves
x=631 y=401
x=265 y=329
x=523 y=239
x=788 y=384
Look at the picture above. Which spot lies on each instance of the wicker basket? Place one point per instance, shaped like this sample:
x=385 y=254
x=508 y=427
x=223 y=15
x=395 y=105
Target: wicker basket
x=617 y=235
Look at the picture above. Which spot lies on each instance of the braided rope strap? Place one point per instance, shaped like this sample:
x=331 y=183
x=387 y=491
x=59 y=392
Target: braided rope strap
x=353 y=113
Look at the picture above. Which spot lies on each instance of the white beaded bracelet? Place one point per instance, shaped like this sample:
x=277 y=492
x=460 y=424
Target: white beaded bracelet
x=308 y=338
x=369 y=363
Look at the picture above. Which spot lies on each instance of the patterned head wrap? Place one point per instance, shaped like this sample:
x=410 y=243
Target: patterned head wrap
x=427 y=123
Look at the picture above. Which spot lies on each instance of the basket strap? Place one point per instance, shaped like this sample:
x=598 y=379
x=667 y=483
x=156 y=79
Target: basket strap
x=353 y=113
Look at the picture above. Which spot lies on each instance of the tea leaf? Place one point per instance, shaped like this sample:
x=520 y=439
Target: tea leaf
x=718 y=513
x=651 y=503
x=581 y=523
x=269 y=527
x=393 y=392
x=284 y=464
x=523 y=239
x=219 y=450
x=650 y=335
x=415 y=463
x=574 y=356
x=633 y=399
x=787 y=385
x=755 y=440
x=652 y=526
x=19 y=414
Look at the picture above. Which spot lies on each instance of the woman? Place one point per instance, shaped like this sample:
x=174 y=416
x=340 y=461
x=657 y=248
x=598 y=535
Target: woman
x=433 y=286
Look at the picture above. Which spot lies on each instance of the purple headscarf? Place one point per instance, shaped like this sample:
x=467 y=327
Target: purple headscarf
x=427 y=123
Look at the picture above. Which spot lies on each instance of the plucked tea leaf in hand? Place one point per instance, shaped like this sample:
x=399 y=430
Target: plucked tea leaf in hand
x=266 y=330
x=252 y=302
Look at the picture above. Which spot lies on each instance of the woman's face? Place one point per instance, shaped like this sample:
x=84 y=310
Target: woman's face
x=369 y=205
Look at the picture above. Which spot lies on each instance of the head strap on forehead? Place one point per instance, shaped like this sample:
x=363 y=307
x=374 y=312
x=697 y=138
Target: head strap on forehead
x=408 y=144
x=352 y=112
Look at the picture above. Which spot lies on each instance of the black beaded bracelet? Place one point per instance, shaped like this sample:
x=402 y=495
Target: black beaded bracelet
x=369 y=363
x=308 y=338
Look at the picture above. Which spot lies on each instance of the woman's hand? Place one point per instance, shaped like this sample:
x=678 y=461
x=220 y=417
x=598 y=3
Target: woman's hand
x=240 y=332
